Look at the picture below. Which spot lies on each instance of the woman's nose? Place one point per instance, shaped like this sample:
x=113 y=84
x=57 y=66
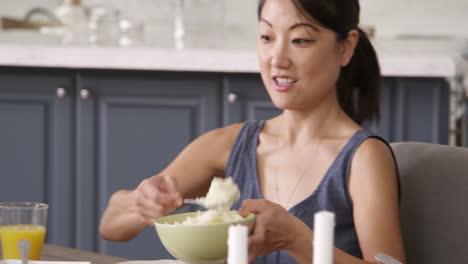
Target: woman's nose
x=280 y=57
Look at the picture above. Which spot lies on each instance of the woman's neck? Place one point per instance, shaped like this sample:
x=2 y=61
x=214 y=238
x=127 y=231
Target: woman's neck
x=298 y=127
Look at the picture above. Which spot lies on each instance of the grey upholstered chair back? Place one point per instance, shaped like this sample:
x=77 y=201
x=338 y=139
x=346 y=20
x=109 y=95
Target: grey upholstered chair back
x=434 y=202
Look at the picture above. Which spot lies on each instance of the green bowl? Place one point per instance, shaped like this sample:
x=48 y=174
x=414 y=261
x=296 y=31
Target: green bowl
x=196 y=244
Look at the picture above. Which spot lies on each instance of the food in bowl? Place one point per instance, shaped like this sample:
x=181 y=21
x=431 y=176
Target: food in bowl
x=221 y=195
x=211 y=217
x=198 y=238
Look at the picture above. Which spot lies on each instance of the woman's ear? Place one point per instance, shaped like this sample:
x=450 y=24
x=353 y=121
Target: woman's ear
x=349 y=45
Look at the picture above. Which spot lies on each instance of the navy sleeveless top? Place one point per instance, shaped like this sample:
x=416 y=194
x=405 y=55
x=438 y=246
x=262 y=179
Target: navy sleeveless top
x=331 y=194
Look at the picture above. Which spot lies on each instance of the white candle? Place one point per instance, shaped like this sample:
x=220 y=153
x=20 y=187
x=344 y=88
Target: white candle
x=237 y=244
x=324 y=224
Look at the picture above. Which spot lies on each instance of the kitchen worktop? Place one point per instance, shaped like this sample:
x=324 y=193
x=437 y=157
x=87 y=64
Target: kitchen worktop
x=414 y=58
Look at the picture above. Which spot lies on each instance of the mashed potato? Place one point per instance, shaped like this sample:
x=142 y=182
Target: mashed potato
x=212 y=217
x=220 y=198
x=222 y=194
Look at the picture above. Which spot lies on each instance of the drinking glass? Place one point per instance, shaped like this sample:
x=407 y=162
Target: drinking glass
x=22 y=220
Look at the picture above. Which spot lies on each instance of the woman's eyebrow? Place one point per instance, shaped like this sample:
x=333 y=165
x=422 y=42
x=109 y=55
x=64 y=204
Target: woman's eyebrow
x=268 y=23
x=293 y=26
x=305 y=25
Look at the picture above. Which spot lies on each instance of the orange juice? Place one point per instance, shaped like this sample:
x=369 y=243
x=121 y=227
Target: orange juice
x=11 y=234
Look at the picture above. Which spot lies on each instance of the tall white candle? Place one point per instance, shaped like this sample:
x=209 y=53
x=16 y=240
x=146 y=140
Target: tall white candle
x=324 y=225
x=237 y=245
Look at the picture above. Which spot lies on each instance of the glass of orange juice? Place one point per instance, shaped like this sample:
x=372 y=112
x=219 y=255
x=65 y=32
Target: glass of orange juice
x=22 y=220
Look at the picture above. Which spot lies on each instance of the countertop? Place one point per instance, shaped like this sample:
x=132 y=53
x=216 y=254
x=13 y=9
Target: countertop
x=414 y=58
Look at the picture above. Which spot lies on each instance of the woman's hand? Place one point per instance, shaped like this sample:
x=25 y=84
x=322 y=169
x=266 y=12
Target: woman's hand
x=157 y=196
x=274 y=229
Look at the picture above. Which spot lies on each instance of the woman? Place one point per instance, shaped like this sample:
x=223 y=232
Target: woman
x=322 y=71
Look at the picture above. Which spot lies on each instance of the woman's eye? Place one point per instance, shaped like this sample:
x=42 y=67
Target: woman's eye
x=301 y=41
x=265 y=38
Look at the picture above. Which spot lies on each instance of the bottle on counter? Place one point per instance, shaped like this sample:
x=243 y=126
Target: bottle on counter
x=75 y=22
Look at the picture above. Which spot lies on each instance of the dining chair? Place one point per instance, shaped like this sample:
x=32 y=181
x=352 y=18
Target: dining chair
x=434 y=202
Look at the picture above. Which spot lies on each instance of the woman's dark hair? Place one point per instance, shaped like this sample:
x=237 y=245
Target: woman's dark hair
x=358 y=87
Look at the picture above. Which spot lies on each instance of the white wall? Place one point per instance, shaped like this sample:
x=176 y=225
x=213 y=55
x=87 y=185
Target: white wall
x=436 y=17
x=234 y=21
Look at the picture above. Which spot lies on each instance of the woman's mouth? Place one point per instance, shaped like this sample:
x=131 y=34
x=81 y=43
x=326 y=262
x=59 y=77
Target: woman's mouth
x=283 y=84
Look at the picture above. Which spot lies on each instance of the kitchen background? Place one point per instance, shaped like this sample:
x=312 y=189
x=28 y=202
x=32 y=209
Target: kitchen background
x=78 y=122
x=231 y=23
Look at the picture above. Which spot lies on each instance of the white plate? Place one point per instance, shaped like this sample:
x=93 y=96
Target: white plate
x=16 y=261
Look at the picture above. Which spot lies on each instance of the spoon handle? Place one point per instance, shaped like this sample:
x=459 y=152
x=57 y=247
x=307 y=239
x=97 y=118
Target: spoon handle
x=24 y=245
x=386 y=259
x=194 y=201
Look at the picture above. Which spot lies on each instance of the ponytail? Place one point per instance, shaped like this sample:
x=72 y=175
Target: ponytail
x=359 y=83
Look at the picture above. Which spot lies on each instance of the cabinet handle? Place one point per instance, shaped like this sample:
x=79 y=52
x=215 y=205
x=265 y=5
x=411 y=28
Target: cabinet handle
x=61 y=92
x=232 y=98
x=84 y=94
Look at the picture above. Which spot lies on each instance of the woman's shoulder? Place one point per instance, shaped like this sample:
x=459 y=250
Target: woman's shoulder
x=223 y=137
x=374 y=155
x=225 y=134
x=213 y=147
x=370 y=146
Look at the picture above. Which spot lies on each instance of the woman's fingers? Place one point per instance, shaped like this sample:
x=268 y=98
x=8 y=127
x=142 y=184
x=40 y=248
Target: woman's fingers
x=259 y=233
x=157 y=196
x=254 y=206
x=162 y=189
x=173 y=190
x=258 y=237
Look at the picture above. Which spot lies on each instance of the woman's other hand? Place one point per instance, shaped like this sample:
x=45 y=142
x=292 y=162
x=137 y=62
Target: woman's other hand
x=157 y=196
x=130 y=211
x=276 y=229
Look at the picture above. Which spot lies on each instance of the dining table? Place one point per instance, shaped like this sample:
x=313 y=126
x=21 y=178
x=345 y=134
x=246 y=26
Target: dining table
x=58 y=253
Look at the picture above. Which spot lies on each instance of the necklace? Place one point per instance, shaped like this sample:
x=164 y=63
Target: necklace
x=302 y=174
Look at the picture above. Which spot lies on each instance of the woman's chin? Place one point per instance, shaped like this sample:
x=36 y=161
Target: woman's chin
x=284 y=105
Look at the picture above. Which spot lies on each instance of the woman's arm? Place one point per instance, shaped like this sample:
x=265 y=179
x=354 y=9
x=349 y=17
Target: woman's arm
x=189 y=175
x=373 y=186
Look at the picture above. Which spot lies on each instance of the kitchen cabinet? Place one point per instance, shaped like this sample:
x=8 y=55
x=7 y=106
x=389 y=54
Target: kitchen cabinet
x=414 y=109
x=35 y=144
x=72 y=137
x=130 y=126
x=246 y=99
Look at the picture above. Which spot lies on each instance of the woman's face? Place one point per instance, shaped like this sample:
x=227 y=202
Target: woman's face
x=299 y=60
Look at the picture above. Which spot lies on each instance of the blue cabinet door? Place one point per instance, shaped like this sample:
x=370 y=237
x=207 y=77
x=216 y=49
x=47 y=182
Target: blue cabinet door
x=131 y=125
x=245 y=98
x=36 y=142
x=414 y=109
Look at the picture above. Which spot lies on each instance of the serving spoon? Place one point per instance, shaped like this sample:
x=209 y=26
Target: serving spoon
x=201 y=201
x=197 y=201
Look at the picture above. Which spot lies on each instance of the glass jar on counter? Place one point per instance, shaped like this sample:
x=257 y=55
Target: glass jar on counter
x=199 y=23
x=74 y=19
x=132 y=32
x=104 y=25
